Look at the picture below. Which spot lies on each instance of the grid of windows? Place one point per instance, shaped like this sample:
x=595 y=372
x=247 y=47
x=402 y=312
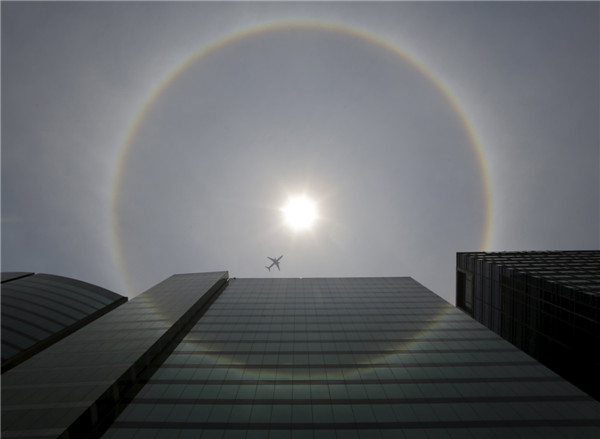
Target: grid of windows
x=546 y=303
x=352 y=357
x=73 y=387
x=40 y=309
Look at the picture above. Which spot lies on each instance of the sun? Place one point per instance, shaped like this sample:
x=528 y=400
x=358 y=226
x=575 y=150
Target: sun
x=300 y=213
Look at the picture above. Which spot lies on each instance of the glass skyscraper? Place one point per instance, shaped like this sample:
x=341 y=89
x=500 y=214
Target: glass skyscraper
x=545 y=303
x=206 y=356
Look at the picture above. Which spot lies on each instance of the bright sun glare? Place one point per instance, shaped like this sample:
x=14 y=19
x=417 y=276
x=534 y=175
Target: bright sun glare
x=300 y=213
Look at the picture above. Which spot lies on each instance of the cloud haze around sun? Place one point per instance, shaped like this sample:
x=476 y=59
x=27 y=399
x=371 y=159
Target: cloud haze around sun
x=121 y=168
x=276 y=111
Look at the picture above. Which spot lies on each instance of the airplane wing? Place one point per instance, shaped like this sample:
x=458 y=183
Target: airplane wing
x=274 y=262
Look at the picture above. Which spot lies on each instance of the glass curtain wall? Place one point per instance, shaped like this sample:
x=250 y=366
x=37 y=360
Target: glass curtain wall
x=349 y=358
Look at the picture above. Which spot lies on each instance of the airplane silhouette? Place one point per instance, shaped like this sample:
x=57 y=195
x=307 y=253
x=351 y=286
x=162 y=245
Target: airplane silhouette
x=274 y=262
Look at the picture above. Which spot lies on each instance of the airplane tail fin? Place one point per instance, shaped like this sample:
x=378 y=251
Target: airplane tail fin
x=268 y=268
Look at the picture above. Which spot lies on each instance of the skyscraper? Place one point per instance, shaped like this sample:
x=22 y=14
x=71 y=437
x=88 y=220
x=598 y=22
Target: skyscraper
x=545 y=303
x=202 y=355
x=40 y=309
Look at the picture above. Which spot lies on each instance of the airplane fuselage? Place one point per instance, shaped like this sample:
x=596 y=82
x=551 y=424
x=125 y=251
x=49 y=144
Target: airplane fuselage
x=274 y=261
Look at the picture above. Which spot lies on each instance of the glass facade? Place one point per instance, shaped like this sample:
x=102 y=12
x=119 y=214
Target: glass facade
x=204 y=356
x=40 y=309
x=71 y=389
x=545 y=303
x=348 y=358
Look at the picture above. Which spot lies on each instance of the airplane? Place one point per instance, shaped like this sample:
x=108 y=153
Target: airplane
x=275 y=262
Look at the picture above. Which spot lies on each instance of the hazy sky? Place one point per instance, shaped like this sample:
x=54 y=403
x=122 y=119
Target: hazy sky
x=145 y=139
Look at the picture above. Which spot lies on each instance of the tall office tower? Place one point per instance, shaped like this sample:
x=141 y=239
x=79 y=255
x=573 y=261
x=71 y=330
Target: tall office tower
x=205 y=356
x=545 y=303
x=40 y=309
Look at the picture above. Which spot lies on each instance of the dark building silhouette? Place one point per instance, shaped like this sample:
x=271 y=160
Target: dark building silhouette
x=40 y=309
x=206 y=356
x=545 y=303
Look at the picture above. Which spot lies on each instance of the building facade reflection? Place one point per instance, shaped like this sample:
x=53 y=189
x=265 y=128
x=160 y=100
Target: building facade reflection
x=203 y=355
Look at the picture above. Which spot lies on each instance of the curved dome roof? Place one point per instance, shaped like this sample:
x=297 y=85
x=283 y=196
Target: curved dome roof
x=40 y=309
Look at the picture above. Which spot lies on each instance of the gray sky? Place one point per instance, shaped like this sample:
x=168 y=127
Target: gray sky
x=371 y=113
